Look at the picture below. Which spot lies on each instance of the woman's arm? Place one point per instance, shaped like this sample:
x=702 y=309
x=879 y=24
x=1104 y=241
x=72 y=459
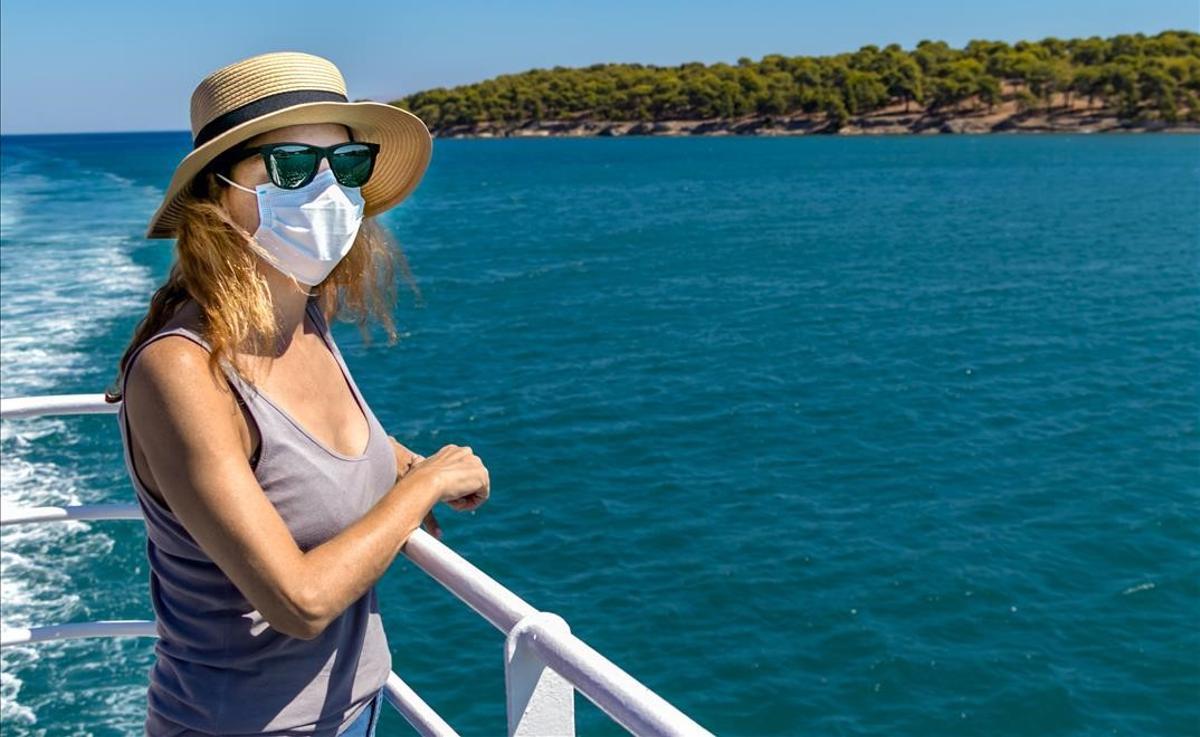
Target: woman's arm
x=187 y=429
x=341 y=569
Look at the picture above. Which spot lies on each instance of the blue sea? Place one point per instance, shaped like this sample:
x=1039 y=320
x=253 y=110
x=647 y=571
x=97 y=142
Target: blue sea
x=837 y=436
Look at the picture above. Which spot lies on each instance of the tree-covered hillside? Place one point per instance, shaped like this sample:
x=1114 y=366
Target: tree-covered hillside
x=1139 y=77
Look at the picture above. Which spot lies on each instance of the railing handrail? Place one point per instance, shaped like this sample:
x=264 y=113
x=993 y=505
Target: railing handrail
x=56 y=404
x=611 y=689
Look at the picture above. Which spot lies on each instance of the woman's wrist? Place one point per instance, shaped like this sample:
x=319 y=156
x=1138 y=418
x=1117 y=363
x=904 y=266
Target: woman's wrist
x=425 y=485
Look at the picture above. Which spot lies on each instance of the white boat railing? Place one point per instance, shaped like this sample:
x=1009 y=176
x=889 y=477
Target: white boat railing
x=544 y=664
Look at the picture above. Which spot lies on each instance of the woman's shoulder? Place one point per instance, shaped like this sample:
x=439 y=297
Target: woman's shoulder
x=170 y=383
x=177 y=350
x=167 y=365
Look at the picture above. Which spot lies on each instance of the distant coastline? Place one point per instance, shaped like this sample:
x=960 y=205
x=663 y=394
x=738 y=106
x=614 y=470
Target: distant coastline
x=1005 y=118
x=1129 y=83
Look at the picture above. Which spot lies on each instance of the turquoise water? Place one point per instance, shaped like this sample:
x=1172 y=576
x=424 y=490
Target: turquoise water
x=882 y=436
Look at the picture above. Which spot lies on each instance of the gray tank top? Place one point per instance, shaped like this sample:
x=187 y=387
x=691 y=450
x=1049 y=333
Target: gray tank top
x=220 y=668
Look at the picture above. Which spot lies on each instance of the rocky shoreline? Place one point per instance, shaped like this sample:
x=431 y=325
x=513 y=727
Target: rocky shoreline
x=1003 y=118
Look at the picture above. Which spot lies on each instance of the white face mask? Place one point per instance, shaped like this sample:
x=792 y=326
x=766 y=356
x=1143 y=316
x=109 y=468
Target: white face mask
x=307 y=230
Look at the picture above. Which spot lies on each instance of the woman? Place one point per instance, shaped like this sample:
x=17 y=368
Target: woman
x=272 y=497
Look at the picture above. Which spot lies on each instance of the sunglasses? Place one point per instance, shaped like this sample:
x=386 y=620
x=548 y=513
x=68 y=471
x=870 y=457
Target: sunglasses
x=293 y=165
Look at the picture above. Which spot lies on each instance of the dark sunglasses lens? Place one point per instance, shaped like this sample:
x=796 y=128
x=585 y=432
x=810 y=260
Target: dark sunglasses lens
x=289 y=166
x=352 y=164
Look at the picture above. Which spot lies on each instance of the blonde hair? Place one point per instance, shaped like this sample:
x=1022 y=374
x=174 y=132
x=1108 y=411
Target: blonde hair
x=215 y=266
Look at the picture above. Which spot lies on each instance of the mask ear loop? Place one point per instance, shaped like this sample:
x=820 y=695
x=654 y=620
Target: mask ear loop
x=245 y=189
x=255 y=193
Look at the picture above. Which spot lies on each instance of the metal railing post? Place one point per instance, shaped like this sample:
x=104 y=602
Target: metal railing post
x=541 y=703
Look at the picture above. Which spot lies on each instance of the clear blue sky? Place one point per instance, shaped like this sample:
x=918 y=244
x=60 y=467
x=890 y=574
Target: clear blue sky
x=112 y=66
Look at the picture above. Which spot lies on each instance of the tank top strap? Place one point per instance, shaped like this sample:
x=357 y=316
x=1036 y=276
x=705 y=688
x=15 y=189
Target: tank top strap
x=318 y=318
x=326 y=333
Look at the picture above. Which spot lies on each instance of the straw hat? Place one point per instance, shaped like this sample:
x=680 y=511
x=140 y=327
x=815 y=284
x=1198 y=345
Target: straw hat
x=273 y=90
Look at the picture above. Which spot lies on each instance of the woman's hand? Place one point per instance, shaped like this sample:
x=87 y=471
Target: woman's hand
x=405 y=460
x=458 y=472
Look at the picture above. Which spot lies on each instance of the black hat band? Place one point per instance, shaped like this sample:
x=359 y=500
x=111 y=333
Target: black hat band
x=260 y=107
